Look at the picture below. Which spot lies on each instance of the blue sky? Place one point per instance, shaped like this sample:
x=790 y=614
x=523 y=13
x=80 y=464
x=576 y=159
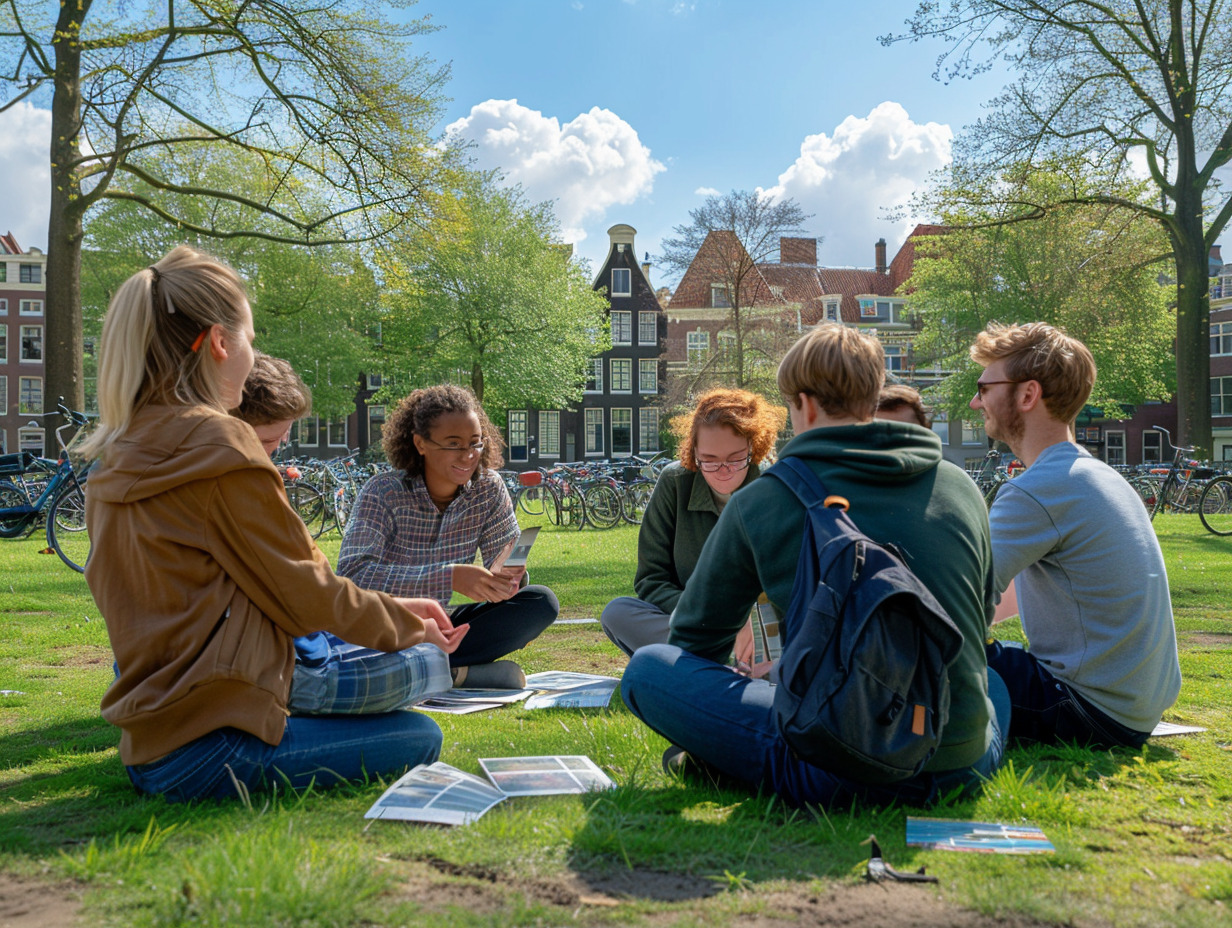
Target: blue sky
x=627 y=111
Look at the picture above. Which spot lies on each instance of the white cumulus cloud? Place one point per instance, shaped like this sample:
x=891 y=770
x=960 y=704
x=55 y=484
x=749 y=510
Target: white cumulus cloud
x=25 y=148
x=588 y=164
x=868 y=165
x=706 y=192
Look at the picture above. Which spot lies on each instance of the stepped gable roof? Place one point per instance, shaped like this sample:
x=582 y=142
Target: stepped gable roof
x=904 y=261
x=693 y=291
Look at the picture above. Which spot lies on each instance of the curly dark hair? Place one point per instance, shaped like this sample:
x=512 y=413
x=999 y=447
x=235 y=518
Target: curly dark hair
x=745 y=413
x=418 y=412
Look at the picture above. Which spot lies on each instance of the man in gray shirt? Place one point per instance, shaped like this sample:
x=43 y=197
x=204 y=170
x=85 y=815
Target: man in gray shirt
x=1076 y=540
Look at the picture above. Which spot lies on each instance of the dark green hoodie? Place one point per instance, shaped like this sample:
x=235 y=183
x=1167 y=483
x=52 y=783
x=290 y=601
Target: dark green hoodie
x=900 y=491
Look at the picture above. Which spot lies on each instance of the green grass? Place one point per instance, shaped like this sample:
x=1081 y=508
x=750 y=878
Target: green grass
x=1142 y=837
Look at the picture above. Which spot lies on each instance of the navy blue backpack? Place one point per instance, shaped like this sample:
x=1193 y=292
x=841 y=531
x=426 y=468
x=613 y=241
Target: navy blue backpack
x=863 y=685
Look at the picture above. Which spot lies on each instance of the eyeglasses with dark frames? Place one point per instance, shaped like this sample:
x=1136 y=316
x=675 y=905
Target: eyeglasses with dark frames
x=981 y=386
x=477 y=447
x=712 y=467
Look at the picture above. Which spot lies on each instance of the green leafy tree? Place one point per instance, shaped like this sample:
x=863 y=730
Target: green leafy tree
x=725 y=240
x=326 y=98
x=488 y=298
x=1091 y=268
x=1112 y=80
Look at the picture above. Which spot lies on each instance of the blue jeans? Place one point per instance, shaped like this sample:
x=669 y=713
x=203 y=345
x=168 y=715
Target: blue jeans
x=727 y=721
x=1048 y=710
x=325 y=750
x=501 y=628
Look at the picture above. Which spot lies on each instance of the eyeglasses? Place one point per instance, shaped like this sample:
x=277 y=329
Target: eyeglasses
x=477 y=447
x=711 y=467
x=981 y=386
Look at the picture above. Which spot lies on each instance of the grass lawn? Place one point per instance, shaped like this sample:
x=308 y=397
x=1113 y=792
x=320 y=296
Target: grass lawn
x=1143 y=838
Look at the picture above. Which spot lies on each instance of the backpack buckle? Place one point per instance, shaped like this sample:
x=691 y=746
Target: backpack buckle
x=839 y=501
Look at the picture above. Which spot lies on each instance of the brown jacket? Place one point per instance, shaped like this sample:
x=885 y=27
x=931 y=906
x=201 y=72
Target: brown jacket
x=204 y=575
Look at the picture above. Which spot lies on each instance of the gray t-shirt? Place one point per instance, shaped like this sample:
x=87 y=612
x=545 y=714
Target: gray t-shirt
x=1091 y=583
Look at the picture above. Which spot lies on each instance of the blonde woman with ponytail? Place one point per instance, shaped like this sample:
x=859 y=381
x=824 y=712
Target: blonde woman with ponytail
x=202 y=571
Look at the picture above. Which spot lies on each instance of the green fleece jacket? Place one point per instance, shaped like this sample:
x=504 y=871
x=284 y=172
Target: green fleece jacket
x=900 y=491
x=679 y=518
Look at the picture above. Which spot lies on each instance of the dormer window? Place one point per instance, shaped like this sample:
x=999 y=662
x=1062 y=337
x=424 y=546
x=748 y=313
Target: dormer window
x=719 y=297
x=832 y=311
x=622 y=282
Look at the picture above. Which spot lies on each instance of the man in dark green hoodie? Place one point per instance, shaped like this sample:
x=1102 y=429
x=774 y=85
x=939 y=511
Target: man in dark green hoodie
x=901 y=491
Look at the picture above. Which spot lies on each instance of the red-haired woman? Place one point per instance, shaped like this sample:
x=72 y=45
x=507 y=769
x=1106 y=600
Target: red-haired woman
x=723 y=440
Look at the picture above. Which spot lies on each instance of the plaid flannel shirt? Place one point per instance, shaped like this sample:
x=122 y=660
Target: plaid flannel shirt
x=354 y=680
x=397 y=540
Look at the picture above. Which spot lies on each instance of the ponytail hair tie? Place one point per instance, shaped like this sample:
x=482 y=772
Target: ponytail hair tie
x=155 y=277
x=200 y=339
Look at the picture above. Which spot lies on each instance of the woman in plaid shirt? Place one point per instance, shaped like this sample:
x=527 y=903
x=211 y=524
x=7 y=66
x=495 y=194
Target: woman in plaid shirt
x=418 y=528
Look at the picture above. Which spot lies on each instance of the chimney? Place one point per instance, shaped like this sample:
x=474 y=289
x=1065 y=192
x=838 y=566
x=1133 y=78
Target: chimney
x=1216 y=260
x=880 y=251
x=646 y=267
x=798 y=251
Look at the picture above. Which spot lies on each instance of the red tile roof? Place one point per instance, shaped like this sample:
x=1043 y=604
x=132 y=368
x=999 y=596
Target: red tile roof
x=9 y=244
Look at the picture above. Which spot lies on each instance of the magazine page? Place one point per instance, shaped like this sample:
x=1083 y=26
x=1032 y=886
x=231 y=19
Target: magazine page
x=591 y=696
x=982 y=837
x=545 y=776
x=436 y=793
x=460 y=700
x=563 y=680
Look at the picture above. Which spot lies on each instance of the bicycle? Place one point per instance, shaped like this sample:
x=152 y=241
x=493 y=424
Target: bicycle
x=1215 y=506
x=1178 y=488
x=60 y=499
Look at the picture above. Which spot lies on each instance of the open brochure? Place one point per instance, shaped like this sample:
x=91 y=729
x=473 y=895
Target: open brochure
x=545 y=776
x=461 y=700
x=1164 y=729
x=563 y=689
x=444 y=795
x=943 y=834
x=517 y=551
x=437 y=793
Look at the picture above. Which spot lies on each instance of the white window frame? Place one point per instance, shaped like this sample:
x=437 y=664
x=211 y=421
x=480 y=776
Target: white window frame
x=834 y=312
x=36 y=271
x=1111 y=445
x=622 y=327
x=701 y=349
x=627 y=273
x=518 y=419
x=30 y=307
x=373 y=381
x=373 y=419
x=720 y=296
x=21 y=335
x=648 y=428
x=4 y=307
x=1221 y=387
x=626 y=366
x=898 y=353
x=941 y=426
x=25 y=432
x=974 y=428
x=301 y=424
x=868 y=309
x=30 y=410
x=648 y=366
x=1157 y=439
x=644 y=317
x=626 y=410
x=592 y=425
x=1221 y=339
x=329 y=432
x=549 y=426
x=596 y=374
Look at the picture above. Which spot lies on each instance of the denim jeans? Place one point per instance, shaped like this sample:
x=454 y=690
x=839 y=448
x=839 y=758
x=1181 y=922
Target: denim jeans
x=727 y=721
x=1048 y=710
x=501 y=628
x=325 y=750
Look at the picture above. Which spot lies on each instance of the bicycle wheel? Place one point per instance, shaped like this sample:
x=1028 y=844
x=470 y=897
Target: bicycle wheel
x=344 y=499
x=602 y=506
x=535 y=501
x=636 y=499
x=309 y=505
x=67 y=533
x=1215 y=506
x=20 y=525
x=1147 y=489
x=571 y=507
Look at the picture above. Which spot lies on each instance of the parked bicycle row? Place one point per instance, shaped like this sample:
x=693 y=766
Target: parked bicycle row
x=596 y=493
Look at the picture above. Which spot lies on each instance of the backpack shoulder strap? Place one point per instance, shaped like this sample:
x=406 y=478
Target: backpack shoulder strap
x=801 y=480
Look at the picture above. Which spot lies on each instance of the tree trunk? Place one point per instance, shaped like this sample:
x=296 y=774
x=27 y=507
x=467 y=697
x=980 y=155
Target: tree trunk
x=477 y=380
x=1193 y=354
x=63 y=346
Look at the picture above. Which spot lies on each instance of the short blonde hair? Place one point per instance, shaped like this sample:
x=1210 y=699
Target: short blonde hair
x=273 y=392
x=745 y=413
x=155 y=339
x=840 y=367
x=1059 y=363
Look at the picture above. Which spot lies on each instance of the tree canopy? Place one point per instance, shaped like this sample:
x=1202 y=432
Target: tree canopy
x=1128 y=85
x=488 y=298
x=1092 y=269
x=329 y=101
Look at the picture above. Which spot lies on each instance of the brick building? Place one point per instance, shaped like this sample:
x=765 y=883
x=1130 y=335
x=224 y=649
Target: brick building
x=22 y=324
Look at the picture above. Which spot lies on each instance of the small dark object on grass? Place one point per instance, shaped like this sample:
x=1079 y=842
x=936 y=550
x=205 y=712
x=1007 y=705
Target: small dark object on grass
x=879 y=870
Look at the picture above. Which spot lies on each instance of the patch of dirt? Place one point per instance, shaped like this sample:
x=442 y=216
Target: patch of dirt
x=83 y=655
x=435 y=884
x=31 y=904
x=1218 y=640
